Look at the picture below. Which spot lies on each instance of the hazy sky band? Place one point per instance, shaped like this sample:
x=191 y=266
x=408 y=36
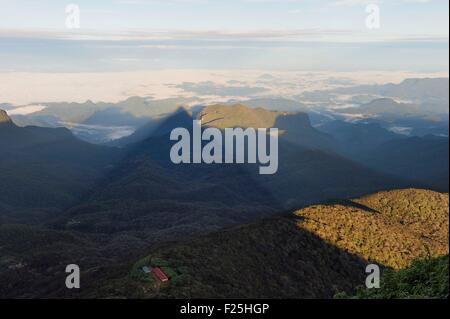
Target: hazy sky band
x=127 y=35
x=413 y=17
x=56 y=55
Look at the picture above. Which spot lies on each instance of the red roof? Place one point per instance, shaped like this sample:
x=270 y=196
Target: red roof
x=160 y=274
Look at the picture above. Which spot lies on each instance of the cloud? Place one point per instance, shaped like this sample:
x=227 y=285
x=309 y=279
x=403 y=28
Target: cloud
x=213 y=35
x=214 y=89
x=26 y=110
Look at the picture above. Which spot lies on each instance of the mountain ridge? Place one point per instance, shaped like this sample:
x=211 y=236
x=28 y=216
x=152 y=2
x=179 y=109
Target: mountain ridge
x=294 y=127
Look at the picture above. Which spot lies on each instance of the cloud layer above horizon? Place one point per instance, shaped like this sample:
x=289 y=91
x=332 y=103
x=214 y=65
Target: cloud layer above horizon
x=129 y=35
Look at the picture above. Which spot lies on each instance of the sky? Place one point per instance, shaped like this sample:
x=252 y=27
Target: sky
x=127 y=35
x=408 y=17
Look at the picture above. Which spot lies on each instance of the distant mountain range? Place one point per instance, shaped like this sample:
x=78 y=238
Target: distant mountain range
x=418 y=90
x=275 y=104
x=416 y=107
x=101 y=122
x=390 y=110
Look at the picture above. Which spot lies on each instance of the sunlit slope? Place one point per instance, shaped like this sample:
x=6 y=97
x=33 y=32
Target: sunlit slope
x=392 y=228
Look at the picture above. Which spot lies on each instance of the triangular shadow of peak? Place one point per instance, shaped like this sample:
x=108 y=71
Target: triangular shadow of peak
x=181 y=117
x=179 y=112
